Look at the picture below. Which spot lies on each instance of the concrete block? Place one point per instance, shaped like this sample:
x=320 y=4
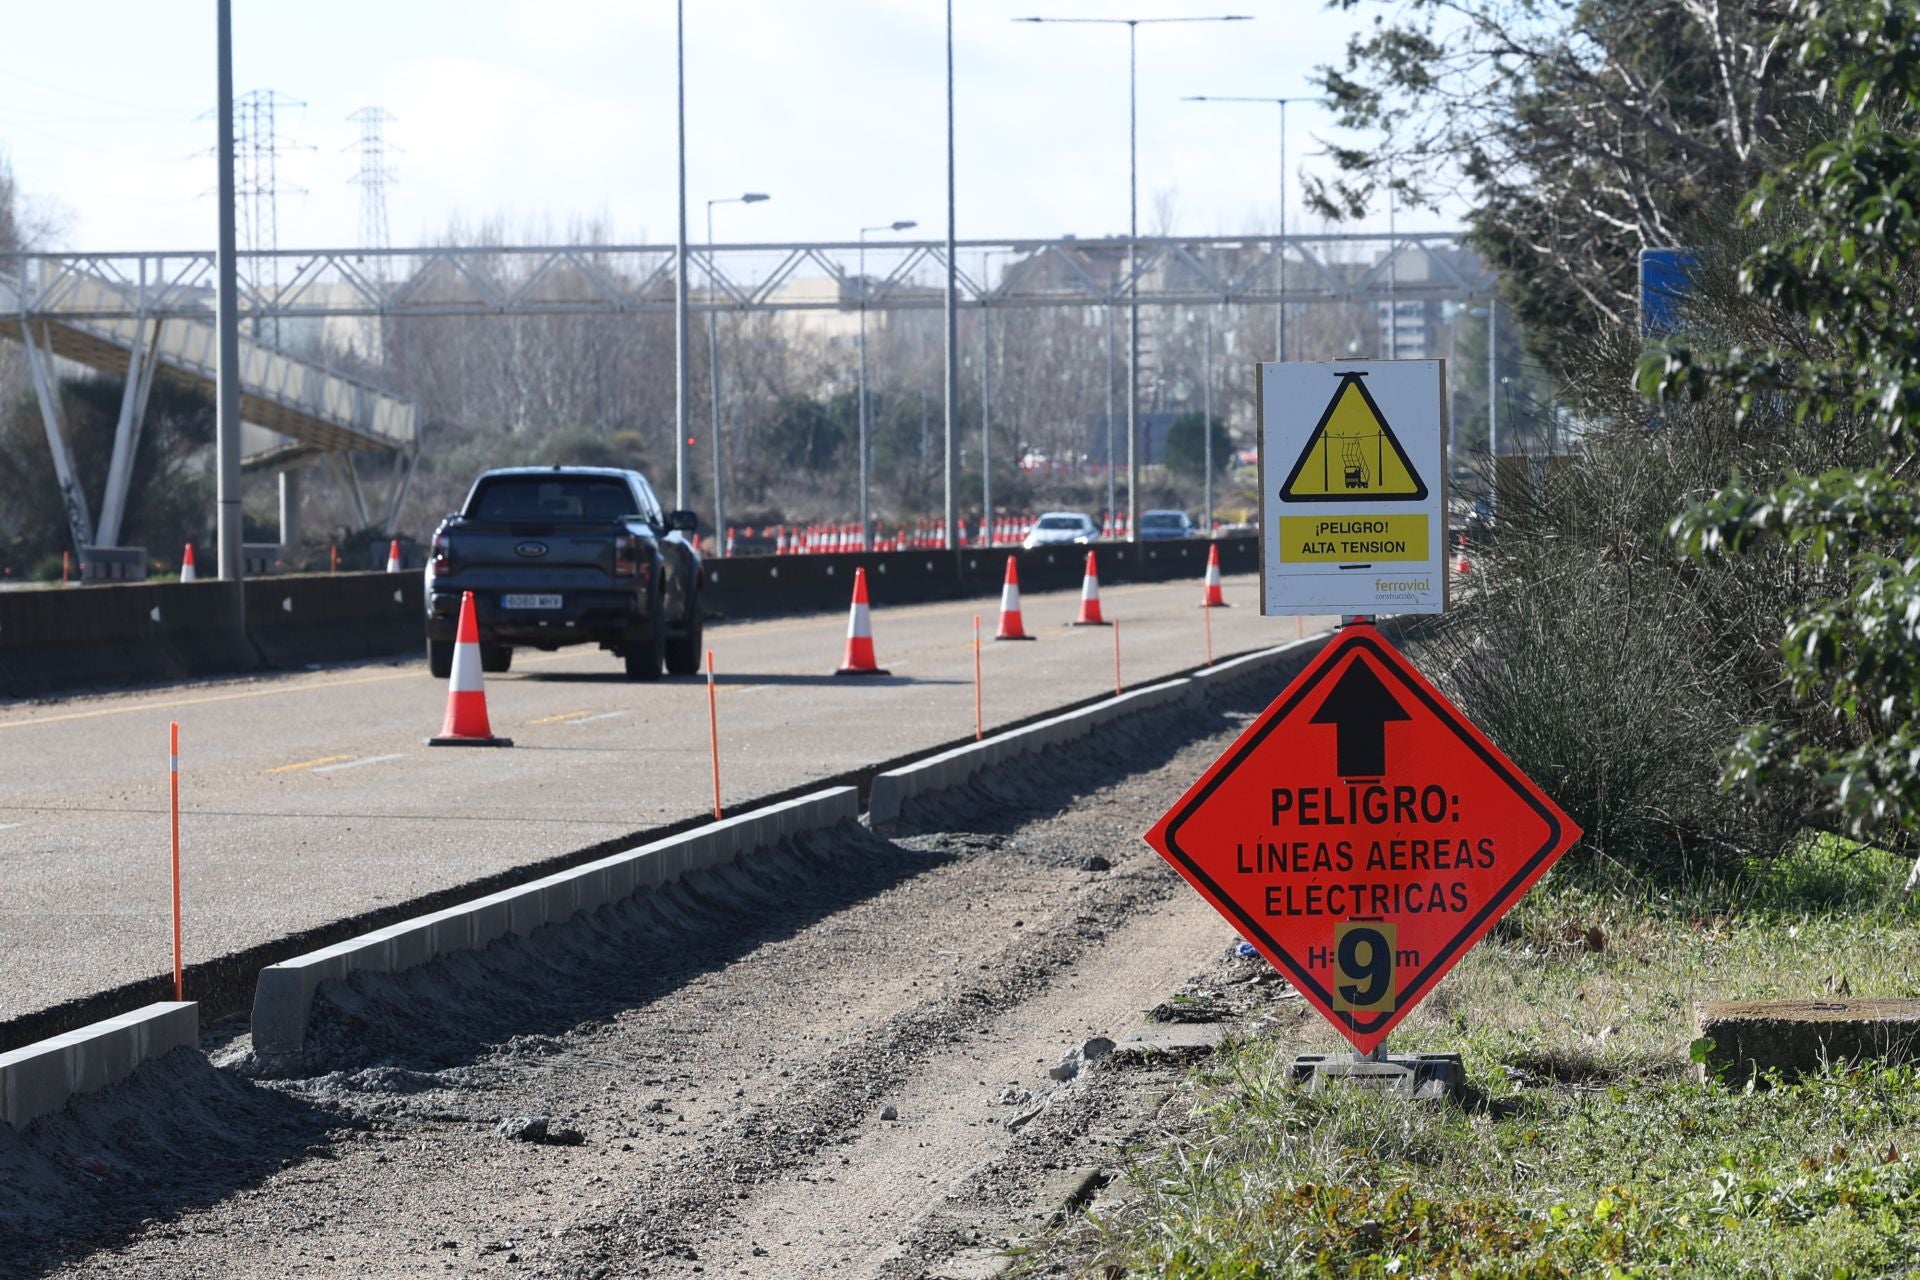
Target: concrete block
x=1796 y=1037
x=487 y=919
x=621 y=877
x=701 y=847
x=283 y=994
x=410 y=945
x=526 y=910
x=592 y=889
x=40 y=1078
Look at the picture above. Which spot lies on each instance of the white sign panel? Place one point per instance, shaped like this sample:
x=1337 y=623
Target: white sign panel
x=1353 y=487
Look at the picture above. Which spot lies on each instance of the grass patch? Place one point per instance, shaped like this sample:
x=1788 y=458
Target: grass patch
x=1591 y=1150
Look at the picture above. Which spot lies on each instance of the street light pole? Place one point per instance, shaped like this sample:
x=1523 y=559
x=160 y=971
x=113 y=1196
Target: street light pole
x=986 y=393
x=713 y=369
x=1280 y=308
x=1206 y=412
x=680 y=449
x=1133 y=239
x=226 y=428
x=952 y=514
x=866 y=453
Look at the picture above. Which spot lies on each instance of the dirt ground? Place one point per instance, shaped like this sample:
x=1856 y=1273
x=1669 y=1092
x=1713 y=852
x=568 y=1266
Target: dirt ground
x=832 y=1062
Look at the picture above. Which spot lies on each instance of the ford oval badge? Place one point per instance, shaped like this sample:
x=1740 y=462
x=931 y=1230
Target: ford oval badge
x=531 y=550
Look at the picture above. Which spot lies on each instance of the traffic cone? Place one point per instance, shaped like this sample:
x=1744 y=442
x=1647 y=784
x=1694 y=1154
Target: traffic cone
x=858 y=660
x=187 y=573
x=466 y=724
x=1090 y=598
x=1010 y=625
x=393 y=556
x=1213 y=599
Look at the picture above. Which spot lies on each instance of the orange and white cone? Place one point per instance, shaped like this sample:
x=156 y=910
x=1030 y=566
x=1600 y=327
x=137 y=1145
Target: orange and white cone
x=466 y=724
x=187 y=573
x=858 y=660
x=1010 y=623
x=393 y=556
x=1090 y=598
x=1213 y=599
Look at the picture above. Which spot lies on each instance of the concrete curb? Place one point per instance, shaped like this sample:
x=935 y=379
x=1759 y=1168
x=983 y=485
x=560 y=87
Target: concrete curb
x=40 y=1078
x=283 y=996
x=893 y=789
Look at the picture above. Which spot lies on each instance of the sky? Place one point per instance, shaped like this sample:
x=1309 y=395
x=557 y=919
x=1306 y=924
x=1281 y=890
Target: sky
x=541 y=116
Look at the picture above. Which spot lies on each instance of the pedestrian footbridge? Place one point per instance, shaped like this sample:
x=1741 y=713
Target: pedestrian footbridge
x=306 y=409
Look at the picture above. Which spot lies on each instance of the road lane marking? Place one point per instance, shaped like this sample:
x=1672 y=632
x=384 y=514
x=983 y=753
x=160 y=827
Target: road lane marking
x=8 y=826
x=584 y=718
x=352 y=763
x=561 y=718
x=308 y=764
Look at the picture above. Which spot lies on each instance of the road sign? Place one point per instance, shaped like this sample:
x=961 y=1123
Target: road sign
x=1353 y=487
x=1362 y=834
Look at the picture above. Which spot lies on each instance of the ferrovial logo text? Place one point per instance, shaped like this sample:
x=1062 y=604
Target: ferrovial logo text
x=1400 y=586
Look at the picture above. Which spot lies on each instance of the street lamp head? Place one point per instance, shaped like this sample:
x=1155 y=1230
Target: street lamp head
x=754 y=197
x=904 y=224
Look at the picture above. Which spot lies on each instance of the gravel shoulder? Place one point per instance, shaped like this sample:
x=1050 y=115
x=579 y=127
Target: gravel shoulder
x=805 y=1067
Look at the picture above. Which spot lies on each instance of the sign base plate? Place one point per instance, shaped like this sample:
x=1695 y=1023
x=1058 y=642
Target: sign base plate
x=1424 y=1077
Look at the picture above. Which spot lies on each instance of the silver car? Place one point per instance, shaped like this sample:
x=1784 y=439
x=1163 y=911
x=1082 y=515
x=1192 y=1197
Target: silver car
x=1056 y=527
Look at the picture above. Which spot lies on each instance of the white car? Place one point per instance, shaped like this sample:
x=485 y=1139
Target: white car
x=1057 y=527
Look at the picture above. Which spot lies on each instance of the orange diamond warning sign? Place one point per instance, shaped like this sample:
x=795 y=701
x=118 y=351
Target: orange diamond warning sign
x=1362 y=834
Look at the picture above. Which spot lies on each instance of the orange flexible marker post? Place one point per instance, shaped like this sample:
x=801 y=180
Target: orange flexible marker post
x=173 y=811
x=1116 y=657
x=333 y=559
x=1208 y=615
x=66 y=566
x=713 y=732
x=978 y=727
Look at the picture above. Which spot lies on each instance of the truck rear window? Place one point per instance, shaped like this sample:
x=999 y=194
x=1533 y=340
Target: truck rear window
x=544 y=498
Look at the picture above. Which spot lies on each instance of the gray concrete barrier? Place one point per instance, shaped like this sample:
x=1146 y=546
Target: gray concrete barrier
x=283 y=996
x=82 y=637
x=39 y=1079
x=103 y=635
x=303 y=618
x=768 y=586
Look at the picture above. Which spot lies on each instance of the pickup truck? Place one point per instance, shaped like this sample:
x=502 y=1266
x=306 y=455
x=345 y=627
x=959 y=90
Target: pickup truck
x=566 y=555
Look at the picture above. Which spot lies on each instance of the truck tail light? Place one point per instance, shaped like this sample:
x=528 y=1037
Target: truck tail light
x=442 y=562
x=626 y=555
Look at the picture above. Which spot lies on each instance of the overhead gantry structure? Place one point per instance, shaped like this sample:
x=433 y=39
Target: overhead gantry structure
x=150 y=313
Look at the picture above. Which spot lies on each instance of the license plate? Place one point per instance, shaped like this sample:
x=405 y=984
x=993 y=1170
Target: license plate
x=529 y=602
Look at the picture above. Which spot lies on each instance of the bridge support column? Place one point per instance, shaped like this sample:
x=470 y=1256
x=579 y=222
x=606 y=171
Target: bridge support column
x=141 y=362
x=289 y=509
x=46 y=389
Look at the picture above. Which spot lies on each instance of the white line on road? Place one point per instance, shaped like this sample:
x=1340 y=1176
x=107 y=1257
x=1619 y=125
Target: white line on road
x=355 y=764
x=604 y=715
x=8 y=826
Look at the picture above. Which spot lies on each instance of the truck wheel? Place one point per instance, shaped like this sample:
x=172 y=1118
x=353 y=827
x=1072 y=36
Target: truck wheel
x=440 y=658
x=495 y=658
x=645 y=655
x=684 y=651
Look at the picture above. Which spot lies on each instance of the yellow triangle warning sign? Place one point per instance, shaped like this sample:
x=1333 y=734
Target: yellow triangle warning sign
x=1353 y=455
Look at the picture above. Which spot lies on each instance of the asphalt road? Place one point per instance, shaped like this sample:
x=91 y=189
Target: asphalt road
x=308 y=798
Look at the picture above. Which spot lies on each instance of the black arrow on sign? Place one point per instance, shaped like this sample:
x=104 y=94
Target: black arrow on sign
x=1359 y=708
